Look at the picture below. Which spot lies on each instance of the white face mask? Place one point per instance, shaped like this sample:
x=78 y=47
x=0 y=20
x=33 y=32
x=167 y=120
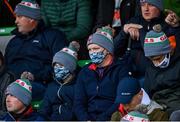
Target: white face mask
x=165 y=62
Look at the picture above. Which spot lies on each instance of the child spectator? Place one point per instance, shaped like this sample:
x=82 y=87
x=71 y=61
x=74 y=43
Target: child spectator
x=58 y=100
x=18 y=102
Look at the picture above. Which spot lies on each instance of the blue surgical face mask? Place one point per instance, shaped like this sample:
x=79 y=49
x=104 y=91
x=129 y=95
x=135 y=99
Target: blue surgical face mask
x=60 y=72
x=165 y=62
x=97 y=57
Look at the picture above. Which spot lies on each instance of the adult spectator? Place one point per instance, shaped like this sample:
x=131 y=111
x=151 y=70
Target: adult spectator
x=95 y=90
x=162 y=77
x=31 y=51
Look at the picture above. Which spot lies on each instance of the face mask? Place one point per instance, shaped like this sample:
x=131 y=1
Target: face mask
x=97 y=57
x=165 y=62
x=60 y=72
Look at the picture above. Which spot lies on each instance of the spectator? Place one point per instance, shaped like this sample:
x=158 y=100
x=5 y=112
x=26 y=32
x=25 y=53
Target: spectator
x=73 y=17
x=31 y=51
x=5 y=79
x=18 y=102
x=135 y=104
x=137 y=27
x=58 y=101
x=162 y=77
x=95 y=90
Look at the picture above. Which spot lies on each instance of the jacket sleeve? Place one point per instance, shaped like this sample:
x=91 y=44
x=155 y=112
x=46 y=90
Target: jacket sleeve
x=54 y=41
x=46 y=110
x=80 y=100
x=83 y=21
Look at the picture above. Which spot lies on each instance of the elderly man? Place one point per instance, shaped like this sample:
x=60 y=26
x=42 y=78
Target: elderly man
x=152 y=14
x=95 y=91
x=29 y=54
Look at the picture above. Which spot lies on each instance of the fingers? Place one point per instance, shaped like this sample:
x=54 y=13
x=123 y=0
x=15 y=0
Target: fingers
x=128 y=26
x=27 y=75
x=134 y=33
x=172 y=18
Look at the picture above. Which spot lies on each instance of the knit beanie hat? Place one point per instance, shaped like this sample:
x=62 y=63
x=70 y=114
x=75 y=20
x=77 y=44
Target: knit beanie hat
x=28 y=8
x=104 y=38
x=135 y=116
x=21 y=89
x=68 y=56
x=157 y=3
x=156 y=43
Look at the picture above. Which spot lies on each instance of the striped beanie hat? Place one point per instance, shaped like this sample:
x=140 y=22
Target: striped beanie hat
x=28 y=8
x=156 y=43
x=104 y=38
x=68 y=56
x=21 y=89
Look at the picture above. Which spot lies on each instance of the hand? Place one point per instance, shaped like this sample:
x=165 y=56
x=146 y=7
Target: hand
x=172 y=19
x=133 y=30
x=27 y=75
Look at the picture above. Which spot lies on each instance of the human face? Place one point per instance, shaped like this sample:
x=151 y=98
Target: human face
x=24 y=24
x=149 y=11
x=136 y=100
x=94 y=48
x=157 y=59
x=14 y=105
x=97 y=54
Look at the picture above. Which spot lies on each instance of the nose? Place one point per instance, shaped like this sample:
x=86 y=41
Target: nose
x=146 y=7
x=16 y=21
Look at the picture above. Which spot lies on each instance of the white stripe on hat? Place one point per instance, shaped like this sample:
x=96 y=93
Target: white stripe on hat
x=156 y=40
x=29 y=4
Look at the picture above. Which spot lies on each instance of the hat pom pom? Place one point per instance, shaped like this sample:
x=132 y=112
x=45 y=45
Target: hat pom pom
x=75 y=46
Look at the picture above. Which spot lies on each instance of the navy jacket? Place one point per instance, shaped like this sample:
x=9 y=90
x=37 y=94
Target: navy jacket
x=34 y=52
x=27 y=115
x=58 y=101
x=137 y=52
x=95 y=94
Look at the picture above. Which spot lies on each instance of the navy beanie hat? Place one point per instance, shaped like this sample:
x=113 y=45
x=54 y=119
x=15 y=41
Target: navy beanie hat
x=28 y=8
